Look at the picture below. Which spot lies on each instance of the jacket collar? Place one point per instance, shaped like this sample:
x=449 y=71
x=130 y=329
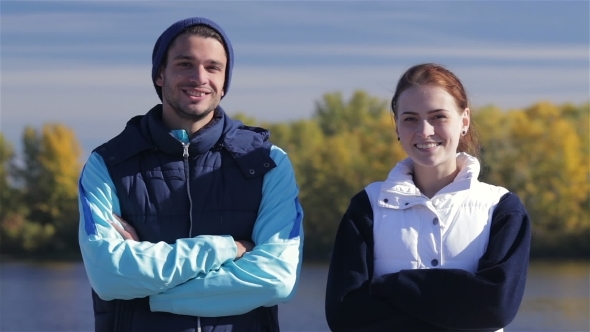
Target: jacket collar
x=248 y=146
x=165 y=141
x=400 y=182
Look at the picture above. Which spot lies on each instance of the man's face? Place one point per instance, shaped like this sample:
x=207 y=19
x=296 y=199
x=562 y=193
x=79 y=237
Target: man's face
x=192 y=79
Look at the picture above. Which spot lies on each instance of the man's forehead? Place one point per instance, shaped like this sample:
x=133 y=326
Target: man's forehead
x=187 y=37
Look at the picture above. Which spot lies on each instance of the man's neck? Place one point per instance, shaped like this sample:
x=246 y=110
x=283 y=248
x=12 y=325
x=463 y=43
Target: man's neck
x=173 y=122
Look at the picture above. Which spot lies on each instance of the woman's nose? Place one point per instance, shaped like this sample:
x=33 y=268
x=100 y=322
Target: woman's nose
x=425 y=129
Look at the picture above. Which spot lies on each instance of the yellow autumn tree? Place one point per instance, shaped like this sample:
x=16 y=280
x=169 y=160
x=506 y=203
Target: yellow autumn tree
x=360 y=147
x=49 y=183
x=541 y=153
x=347 y=144
x=60 y=162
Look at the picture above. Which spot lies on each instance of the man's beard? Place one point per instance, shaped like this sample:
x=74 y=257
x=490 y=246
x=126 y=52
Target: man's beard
x=179 y=110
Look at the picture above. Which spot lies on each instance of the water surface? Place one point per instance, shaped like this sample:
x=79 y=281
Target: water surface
x=56 y=297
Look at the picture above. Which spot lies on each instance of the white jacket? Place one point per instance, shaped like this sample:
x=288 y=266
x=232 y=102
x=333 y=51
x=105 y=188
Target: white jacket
x=450 y=230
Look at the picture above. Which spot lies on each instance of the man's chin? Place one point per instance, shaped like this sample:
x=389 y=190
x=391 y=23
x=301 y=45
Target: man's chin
x=193 y=114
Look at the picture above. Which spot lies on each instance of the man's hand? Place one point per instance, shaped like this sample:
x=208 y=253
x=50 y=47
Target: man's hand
x=127 y=231
x=243 y=247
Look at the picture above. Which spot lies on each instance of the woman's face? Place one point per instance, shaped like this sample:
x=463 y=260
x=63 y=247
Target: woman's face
x=429 y=125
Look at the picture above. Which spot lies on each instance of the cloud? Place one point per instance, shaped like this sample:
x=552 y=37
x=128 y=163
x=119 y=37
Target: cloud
x=72 y=22
x=87 y=64
x=96 y=102
x=115 y=76
x=475 y=51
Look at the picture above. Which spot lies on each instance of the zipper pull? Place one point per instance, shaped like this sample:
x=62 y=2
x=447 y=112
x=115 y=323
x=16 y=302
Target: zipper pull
x=185 y=153
x=219 y=147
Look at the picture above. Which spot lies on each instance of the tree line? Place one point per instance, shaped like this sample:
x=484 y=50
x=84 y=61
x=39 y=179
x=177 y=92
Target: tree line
x=541 y=153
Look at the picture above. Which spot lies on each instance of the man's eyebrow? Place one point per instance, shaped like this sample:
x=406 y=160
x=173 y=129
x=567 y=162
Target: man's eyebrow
x=189 y=57
x=215 y=62
x=183 y=57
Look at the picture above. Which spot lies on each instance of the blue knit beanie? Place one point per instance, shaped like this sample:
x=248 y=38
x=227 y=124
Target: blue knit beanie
x=166 y=38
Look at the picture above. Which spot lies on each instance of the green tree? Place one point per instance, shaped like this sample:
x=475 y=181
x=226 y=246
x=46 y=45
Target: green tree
x=11 y=219
x=59 y=159
x=336 y=115
x=6 y=190
x=347 y=145
x=46 y=184
x=541 y=153
x=19 y=234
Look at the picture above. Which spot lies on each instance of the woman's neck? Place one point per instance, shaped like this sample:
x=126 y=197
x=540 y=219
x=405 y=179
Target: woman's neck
x=431 y=180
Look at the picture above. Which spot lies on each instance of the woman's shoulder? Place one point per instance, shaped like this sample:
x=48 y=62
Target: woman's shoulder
x=360 y=206
x=487 y=188
x=372 y=189
x=506 y=202
x=371 y=193
x=510 y=203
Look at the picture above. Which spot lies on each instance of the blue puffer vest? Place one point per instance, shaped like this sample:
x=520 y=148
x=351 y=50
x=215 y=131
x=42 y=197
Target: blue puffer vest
x=168 y=191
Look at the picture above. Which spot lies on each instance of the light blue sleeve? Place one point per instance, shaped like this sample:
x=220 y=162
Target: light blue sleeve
x=127 y=269
x=265 y=276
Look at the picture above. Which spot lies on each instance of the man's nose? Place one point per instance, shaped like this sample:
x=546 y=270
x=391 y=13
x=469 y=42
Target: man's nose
x=198 y=76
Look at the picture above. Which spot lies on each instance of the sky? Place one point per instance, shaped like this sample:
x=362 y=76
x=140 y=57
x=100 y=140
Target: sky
x=87 y=64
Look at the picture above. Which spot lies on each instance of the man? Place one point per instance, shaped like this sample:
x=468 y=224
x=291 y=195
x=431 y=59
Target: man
x=190 y=220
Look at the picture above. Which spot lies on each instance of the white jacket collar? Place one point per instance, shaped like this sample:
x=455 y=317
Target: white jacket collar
x=400 y=181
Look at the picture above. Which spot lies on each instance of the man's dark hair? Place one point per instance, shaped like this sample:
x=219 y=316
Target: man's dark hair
x=197 y=30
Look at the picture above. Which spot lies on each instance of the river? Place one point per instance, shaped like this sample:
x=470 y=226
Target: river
x=56 y=297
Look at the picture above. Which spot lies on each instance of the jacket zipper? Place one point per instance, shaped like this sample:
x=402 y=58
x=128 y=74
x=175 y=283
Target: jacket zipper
x=190 y=203
x=188 y=187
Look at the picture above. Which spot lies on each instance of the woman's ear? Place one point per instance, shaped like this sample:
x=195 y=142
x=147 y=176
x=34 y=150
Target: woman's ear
x=466 y=119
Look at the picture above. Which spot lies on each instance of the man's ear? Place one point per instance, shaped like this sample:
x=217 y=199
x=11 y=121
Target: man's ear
x=160 y=77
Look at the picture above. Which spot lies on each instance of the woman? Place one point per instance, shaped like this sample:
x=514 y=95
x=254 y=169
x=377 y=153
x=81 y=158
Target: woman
x=430 y=248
